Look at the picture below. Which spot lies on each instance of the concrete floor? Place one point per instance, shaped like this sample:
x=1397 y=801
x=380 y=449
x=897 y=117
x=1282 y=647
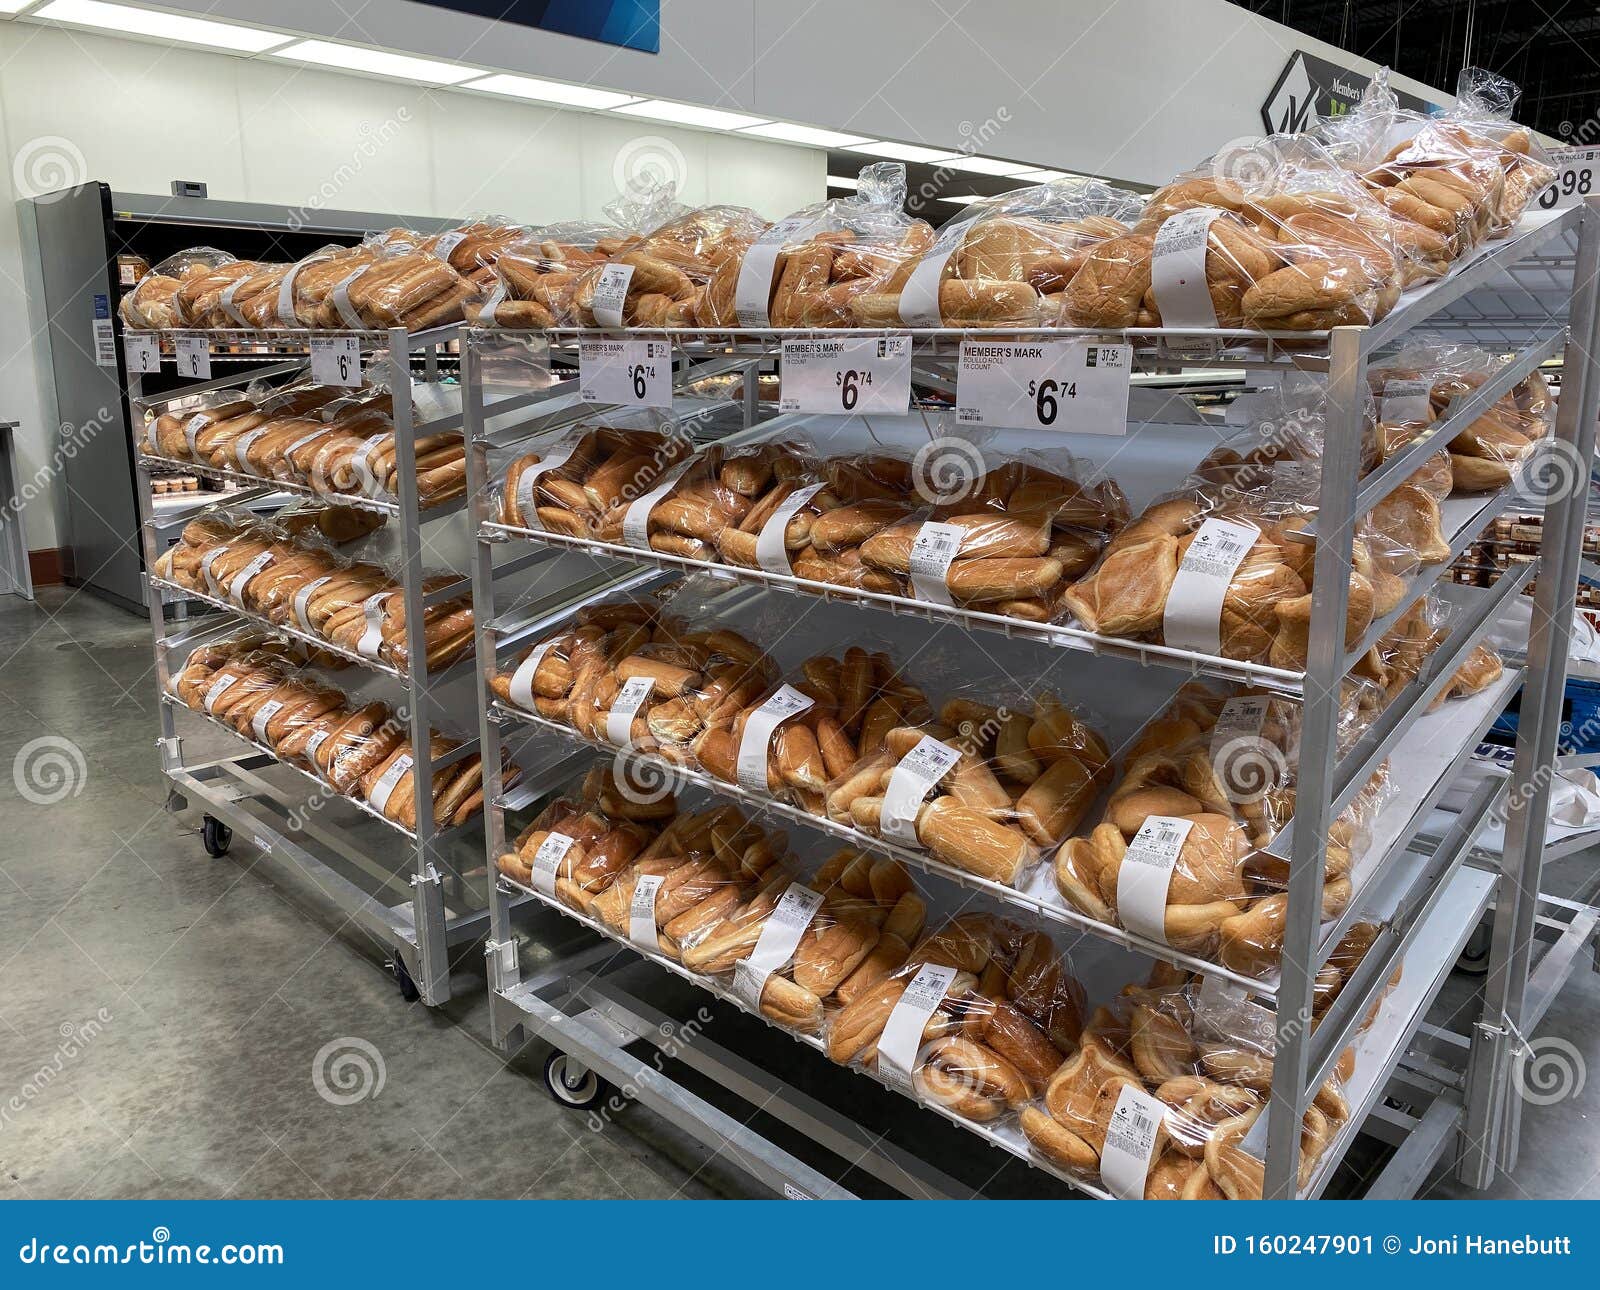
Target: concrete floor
x=162 y=1013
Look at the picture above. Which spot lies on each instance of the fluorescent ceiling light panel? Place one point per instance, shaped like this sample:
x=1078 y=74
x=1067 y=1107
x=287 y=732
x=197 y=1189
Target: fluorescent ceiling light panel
x=1040 y=176
x=15 y=6
x=985 y=166
x=689 y=114
x=839 y=181
x=378 y=62
x=807 y=134
x=128 y=21
x=971 y=199
x=899 y=151
x=531 y=87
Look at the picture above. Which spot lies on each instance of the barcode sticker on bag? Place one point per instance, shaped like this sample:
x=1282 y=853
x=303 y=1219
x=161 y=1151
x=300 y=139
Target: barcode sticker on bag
x=243 y=444
x=264 y=714
x=933 y=551
x=522 y=678
x=372 y=633
x=630 y=698
x=547 y=859
x=1406 y=401
x=192 y=428
x=1130 y=1142
x=388 y=782
x=901 y=1039
x=919 y=770
x=755 y=743
x=1193 y=615
x=242 y=579
x=1146 y=874
x=611 y=294
x=208 y=560
x=215 y=689
x=1242 y=717
x=642 y=913
x=1178 y=268
x=780 y=937
x=302 y=599
x=316 y=741
x=772 y=549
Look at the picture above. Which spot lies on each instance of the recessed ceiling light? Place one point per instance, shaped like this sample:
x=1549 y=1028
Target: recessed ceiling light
x=1040 y=176
x=126 y=20
x=839 y=181
x=690 y=114
x=378 y=62
x=808 y=134
x=531 y=87
x=15 y=6
x=971 y=199
x=900 y=151
x=984 y=166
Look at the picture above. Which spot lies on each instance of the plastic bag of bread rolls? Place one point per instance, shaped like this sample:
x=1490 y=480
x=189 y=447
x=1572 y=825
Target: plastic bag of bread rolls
x=607 y=483
x=976 y=1021
x=814 y=268
x=303 y=294
x=1485 y=455
x=535 y=276
x=401 y=286
x=1007 y=264
x=473 y=248
x=632 y=674
x=153 y=304
x=357 y=456
x=986 y=788
x=457 y=789
x=796 y=738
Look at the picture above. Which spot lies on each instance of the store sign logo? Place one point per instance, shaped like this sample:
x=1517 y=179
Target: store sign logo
x=1310 y=87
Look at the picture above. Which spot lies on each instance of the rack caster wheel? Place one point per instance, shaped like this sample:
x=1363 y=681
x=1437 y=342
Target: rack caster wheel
x=215 y=836
x=1474 y=960
x=408 y=987
x=581 y=1094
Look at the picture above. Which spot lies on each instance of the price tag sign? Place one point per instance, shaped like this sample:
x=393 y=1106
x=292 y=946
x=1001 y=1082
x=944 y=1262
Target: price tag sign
x=632 y=373
x=103 y=333
x=335 y=360
x=1068 y=385
x=142 y=350
x=1576 y=173
x=857 y=374
x=194 y=357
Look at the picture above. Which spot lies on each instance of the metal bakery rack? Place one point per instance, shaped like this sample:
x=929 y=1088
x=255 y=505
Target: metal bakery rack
x=415 y=892
x=1430 y=1093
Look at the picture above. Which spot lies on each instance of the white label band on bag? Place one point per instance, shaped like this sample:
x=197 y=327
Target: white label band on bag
x=228 y=306
x=611 y=294
x=242 y=446
x=285 y=311
x=547 y=859
x=1146 y=874
x=753 y=290
x=215 y=689
x=919 y=770
x=630 y=698
x=447 y=243
x=933 y=551
x=1243 y=717
x=751 y=766
x=388 y=782
x=206 y=561
x=303 y=440
x=1178 y=268
x=263 y=715
x=192 y=428
x=316 y=741
x=1193 y=615
x=919 y=298
x=303 y=597
x=642 y=912
x=340 y=295
x=1405 y=401
x=636 y=520
x=901 y=1039
x=362 y=461
x=372 y=634
x=1130 y=1142
x=780 y=937
x=242 y=578
x=772 y=550
x=527 y=502
x=485 y=309
x=521 y=688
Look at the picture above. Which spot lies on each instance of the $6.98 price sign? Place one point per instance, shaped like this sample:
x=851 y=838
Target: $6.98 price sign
x=1068 y=385
x=856 y=374
x=634 y=373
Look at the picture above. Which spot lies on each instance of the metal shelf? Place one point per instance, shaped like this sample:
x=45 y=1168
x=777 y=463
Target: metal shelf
x=359 y=501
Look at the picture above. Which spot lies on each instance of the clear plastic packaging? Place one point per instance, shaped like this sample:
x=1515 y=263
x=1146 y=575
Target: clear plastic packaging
x=535 y=277
x=163 y=297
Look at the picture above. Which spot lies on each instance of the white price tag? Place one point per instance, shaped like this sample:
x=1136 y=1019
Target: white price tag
x=388 y=782
x=1405 y=401
x=241 y=579
x=933 y=551
x=780 y=937
x=901 y=1039
x=632 y=373
x=1068 y=385
x=194 y=357
x=1130 y=1142
x=335 y=360
x=215 y=689
x=142 y=350
x=1146 y=874
x=1577 y=170
x=547 y=860
x=751 y=766
x=611 y=294
x=642 y=912
x=851 y=375
x=264 y=714
x=919 y=770
x=630 y=698
x=1192 y=618
x=1178 y=268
